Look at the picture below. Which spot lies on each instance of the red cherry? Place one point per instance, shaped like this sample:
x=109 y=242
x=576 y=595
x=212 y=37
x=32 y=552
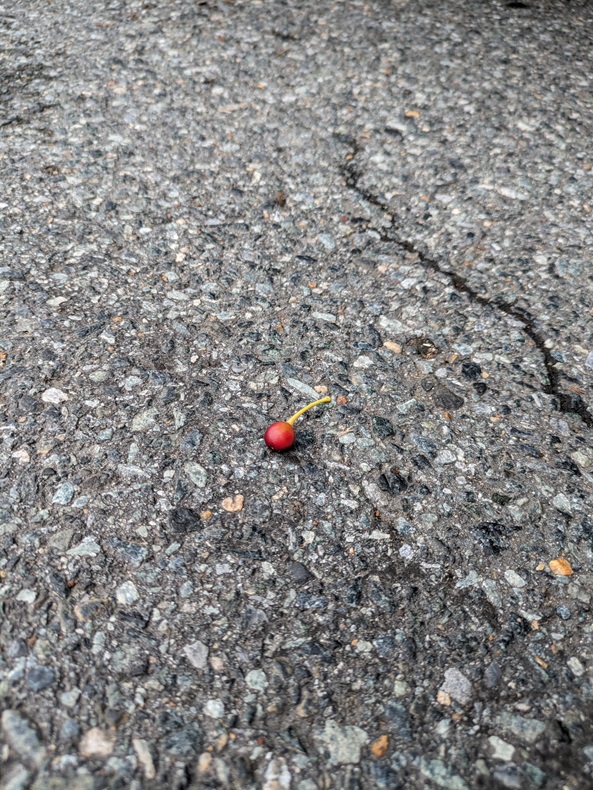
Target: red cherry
x=279 y=436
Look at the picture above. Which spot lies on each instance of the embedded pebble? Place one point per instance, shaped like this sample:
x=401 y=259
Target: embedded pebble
x=197 y=654
x=277 y=775
x=457 y=686
x=214 y=708
x=144 y=756
x=88 y=547
x=196 y=473
x=343 y=743
x=96 y=744
x=257 y=680
x=144 y=420
x=22 y=736
x=127 y=594
x=63 y=494
x=40 y=678
x=54 y=395
x=514 y=579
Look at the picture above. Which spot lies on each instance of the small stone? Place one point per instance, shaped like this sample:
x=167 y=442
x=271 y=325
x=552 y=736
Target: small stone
x=582 y=459
x=562 y=504
x=329 y=317
x=501 y=750
x=185 y=742
x=471 y=371
x=563 y=612
x=88 y=547
x=561 y=567
x=343 y=744
x=302 y=388
x=257 y=680
x=22 y=737
x=196 y=473
x=204 y=762
x=69 y=730
x=185 y=520
x=492 y=675
x=197 y=654
x=144 y=420
x=401 y=688
x=63 y=494
x=447 y=400
x=299 y=573
x=576 y=666
x=457 y=686
x=16 y=778
x=214 y=708
x=277 y=775
x=186 y=589
x=233 y=504
x=528 y=730
x=508 y=776
x=443 y=698
x=144 y=757
x=127 y=594
x=27 y=596
x=69 y=698
x=395 y=347
x=382 y=427
x=380 y=746
x=441 y=775
x=514 y=579
x=445 y=457
x=391 y=325
x=54 y=395
x=22 y=456
x=40 y=678
x=96 y=743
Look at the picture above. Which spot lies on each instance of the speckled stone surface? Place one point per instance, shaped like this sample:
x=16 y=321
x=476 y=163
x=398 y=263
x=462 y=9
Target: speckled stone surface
x=210 y=215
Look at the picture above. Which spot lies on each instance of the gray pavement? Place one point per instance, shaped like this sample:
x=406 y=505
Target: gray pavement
x=211 y=214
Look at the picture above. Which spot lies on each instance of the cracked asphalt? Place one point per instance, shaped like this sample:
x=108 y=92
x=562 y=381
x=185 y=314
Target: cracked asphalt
x=211 y=214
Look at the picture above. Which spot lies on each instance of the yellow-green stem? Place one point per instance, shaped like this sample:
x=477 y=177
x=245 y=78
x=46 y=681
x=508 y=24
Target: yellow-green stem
x=294 y=417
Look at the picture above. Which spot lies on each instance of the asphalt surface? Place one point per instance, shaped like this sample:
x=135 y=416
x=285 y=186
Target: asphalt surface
x=211 y=214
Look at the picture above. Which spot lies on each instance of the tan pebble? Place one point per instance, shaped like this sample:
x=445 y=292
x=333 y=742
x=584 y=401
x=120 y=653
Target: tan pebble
x=96 y=743
x=217 y=663
x=380 y=745
x=395 y=347
x=561 y=567
x=205 y=515
x=443 y=698
x=144 y=757
x=221 y=741
x=204 y=762
x=233 y=504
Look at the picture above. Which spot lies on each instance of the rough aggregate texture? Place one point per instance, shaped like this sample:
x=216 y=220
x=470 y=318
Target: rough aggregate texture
x=212 y=213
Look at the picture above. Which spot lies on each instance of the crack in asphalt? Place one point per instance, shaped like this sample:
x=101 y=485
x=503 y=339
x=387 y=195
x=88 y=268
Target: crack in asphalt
x=567 y=403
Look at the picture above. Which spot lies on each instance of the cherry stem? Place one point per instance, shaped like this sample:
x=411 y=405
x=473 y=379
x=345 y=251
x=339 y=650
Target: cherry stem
x=294 y=417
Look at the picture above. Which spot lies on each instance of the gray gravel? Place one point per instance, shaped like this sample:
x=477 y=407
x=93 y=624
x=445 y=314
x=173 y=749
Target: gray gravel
x=210 y=214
